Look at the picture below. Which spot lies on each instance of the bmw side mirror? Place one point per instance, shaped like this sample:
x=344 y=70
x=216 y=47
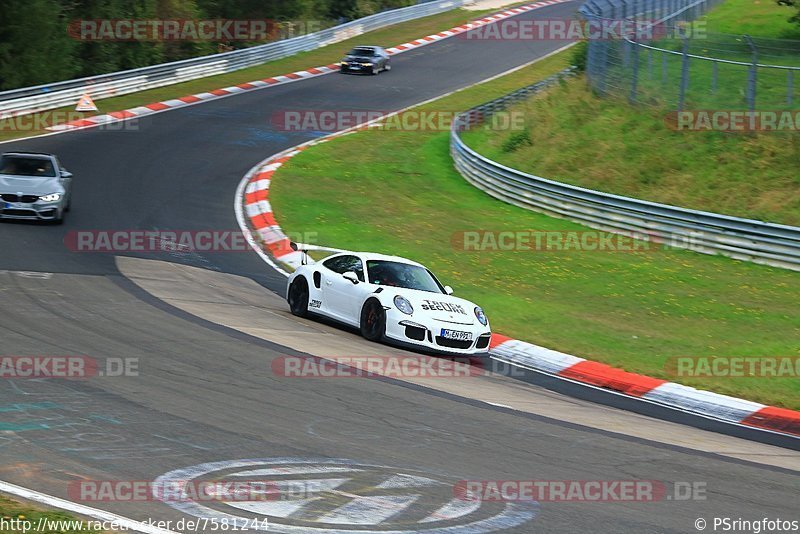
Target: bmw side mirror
x=65 y=173
x=350 y=275
x=448 y=290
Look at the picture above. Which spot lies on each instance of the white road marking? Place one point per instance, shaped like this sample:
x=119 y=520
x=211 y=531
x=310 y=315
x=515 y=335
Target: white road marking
x=369 y=510
x=123 y=522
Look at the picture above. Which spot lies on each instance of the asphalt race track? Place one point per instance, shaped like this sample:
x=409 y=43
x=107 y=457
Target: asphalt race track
x=206 y=331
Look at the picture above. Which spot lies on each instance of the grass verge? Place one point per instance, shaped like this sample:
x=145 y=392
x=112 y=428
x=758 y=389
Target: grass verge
x=757 y=18
x=389 y=36
x=14 y=510
x=606 y=144
x=632 y=310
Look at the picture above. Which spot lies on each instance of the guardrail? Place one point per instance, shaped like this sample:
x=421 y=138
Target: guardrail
x=701 y=231
x=55 y=95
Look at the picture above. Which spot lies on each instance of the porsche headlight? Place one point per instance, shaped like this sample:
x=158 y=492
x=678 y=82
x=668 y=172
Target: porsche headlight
x=52 y=197
x=402 y=304
x=481 y=316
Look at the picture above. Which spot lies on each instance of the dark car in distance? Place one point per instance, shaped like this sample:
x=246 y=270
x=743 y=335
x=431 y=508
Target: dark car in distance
x=369 y=59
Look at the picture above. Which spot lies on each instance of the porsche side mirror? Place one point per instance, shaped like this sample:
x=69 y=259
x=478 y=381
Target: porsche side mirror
x=448 y=290
x=350 y=275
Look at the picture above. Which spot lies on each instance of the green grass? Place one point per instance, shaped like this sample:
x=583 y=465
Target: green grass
x=389 y=36
x=630 y=310
x=606 y=144
x=757 y=18
x=11 y=509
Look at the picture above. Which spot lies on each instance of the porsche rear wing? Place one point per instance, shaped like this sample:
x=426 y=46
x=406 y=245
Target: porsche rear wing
x=305 y=248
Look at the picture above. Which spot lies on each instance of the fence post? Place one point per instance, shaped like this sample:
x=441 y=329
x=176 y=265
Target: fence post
x=752 y=75
x=714 y=77
x=789 y=87
x=635 y=77
x=684 y=74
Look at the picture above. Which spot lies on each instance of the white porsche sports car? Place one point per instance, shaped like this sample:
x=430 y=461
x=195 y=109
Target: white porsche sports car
x=391 y=298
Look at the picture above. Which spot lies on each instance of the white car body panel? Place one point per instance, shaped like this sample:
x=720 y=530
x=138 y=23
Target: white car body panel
x=340 y=299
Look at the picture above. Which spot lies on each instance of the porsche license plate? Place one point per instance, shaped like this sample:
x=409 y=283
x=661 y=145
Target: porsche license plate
x=456 y=334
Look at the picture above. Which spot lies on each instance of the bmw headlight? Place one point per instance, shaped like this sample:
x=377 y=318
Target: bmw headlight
x=52 y=197
x=402 y=304
x=481 y=316
x=366 y=64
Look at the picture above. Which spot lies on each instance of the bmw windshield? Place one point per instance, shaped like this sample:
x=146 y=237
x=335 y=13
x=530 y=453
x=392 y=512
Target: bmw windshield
x=26 y=166
x=396 y=274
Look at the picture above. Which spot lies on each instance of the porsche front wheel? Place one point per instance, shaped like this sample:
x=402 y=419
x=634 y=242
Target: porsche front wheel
x=373 y=321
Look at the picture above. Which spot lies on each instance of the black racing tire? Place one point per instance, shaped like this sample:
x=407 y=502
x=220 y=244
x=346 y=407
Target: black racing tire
x=375 y=71
x=59 y=219
x=373 y=321
x=387 y=67
x=298 y=297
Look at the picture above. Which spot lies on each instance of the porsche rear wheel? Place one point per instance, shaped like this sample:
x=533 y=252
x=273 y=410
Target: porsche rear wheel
x=373 y=320
x=298 y=297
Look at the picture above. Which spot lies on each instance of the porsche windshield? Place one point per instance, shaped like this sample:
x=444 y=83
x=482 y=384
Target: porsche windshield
x=396 y=274
x=26 y=166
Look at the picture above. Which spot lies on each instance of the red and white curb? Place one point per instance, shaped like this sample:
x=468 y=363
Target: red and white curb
x=678 y=396
x=158 y=107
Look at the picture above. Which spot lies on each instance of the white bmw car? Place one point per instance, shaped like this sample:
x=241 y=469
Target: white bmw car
x=389 y=298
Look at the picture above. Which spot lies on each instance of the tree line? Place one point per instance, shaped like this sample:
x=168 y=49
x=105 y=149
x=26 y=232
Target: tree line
x=36 y=46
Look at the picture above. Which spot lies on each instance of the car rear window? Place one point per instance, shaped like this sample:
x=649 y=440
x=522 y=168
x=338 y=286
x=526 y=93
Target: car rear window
x=362 y=52
x=26 y=166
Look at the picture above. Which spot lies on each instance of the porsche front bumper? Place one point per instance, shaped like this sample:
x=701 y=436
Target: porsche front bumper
x=428 y=336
